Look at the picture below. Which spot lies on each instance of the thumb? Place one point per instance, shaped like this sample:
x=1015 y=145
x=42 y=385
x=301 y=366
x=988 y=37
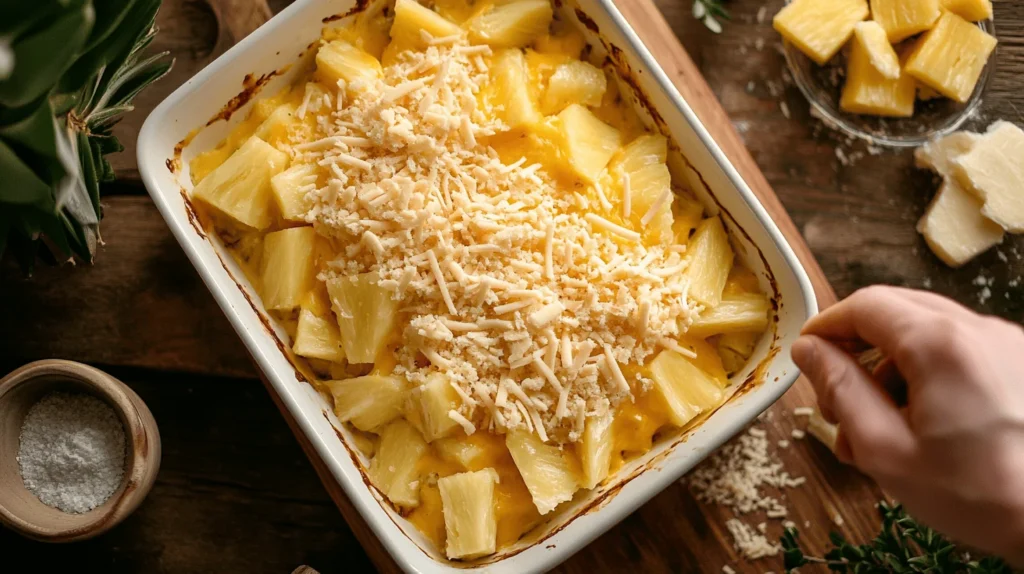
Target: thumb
x=879 y=437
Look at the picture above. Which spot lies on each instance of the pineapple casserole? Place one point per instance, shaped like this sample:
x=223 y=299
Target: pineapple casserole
x=478 y=250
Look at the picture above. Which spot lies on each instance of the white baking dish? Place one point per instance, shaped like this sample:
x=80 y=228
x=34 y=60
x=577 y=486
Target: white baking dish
x=198 y=115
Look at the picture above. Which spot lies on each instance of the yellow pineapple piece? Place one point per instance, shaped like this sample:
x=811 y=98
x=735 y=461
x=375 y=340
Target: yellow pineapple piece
x=902 y=19
x=511 y=88
x=512 y=25
x=993 y=170
x=546 y=470
x=435 y=399
x=924 y=93
x=339 y=60
x=869 y=92
x=685 y=389
x=394 y=468
x=240 y=187
x=970 y=10
x=735 y=313
x=276 y=128
x=366 y=315
x=568 y=42
x=596 y=449
x=642 y=161
x=467 y=501
x=881 y=54
x=368 y=402
x=411 y=17
x=687 y=214
x=819 y=28
x=316 y=334
x=290 y=188
x=574 y=82
x=463 y=451
x=288 y=271
x=710 y=259
x=589 y=142
x=735 y=349
x=949 y=58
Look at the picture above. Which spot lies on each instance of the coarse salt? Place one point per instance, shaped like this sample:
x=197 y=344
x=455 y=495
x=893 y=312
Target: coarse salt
x=71 y=451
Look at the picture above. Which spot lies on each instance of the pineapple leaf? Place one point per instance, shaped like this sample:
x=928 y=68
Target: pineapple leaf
x=120 y=53
x=89 y=175
x=20 y=185
x=35 y=131
x=109 y=15
x=41 y=58
x=5 y=229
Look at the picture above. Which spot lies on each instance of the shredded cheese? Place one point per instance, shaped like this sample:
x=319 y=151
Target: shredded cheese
x=498 y=273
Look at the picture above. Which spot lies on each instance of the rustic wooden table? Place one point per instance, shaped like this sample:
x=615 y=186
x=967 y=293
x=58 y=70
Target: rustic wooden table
x=236 y=493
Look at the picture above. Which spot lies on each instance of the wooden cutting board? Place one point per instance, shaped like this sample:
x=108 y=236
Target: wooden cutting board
x=839 y=495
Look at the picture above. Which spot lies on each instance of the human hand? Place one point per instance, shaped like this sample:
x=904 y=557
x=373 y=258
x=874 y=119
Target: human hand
x=954 y=454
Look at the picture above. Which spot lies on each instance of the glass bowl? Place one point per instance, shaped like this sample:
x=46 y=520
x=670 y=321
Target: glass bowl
x=822 y=85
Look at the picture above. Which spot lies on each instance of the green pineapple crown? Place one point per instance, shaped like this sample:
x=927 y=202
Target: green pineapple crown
x=69 y=70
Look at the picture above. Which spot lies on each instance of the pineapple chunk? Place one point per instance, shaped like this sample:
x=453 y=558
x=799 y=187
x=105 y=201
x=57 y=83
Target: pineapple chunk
x=276 y=128
x=867 y=91
x=970 y=10
x=240 y=187
x=993 y=170
x=411 y=17
x=949 y=58
x=316 y=334
x=435 y=399
x=463 y=451
x=545 y=469
x=394 y=468
x=467 y=500
x=288 y=269
x=589 y=142
x=574 y=82
x=643 y=161
x=596 y=450
x=881 y=54
x=687 y=214
x=368 y=402
x=735 y=313
x=710 y=257
x=686 y=390
x=902 y=19
x=366 y=315
x=954 y=228
x=339 y=60
x=819 y=28
x=512 y=89
x=735 y=348
x=512 y=25
x=290 y=188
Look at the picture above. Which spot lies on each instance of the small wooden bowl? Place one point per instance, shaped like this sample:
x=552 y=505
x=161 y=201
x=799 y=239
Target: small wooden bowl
x=20 y=510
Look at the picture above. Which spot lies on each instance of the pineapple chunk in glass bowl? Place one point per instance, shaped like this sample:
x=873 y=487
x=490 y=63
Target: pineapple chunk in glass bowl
x=934 y=115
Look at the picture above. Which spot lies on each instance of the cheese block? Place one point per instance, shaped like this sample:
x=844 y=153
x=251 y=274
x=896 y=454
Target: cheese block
x=938 y=154
x=954 y=227
x=994 y=171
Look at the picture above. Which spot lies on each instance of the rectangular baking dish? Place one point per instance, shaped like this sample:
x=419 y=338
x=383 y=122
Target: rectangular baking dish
x=200 y=114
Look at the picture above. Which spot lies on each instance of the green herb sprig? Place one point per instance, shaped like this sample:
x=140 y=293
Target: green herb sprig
x=903 y=546
x=709 y=12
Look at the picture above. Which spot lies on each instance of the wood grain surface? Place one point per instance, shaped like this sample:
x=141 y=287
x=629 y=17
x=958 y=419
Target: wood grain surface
x=236 y=493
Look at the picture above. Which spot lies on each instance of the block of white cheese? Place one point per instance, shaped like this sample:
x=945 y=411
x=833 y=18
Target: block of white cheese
x=993 y=170
x=937 y=154
x=954 y=227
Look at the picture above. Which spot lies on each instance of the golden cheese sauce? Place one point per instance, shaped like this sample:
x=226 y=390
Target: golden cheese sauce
x=635 y=423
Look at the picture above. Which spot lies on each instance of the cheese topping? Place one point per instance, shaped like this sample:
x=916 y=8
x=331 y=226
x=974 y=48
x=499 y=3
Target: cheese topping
x=501 y=276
